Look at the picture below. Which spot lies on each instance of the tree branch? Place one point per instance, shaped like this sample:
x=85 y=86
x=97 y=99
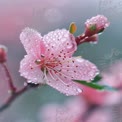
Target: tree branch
x=14 y=93
x=9 y=80
x=14 y=96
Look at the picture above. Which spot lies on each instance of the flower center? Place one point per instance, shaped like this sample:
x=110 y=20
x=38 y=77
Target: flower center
x=46 y=63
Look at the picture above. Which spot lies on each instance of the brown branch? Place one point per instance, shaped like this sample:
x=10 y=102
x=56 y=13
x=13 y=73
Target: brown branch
x=14 y=96
x=14 y=93
x=9 y=80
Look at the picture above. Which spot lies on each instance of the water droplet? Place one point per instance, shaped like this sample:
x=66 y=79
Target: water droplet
x=69 y=46
x=66 y=89
x=67 y=94
x=79 y=90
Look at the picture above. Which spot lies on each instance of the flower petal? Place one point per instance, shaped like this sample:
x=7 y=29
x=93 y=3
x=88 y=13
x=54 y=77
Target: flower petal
x=77 y=68
x=32 y=42
x=67 y=87
x=70 y=111
x=30 y=70
x=60 y=42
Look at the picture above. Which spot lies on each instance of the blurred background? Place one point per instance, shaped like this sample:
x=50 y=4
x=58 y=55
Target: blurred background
x=45 y=16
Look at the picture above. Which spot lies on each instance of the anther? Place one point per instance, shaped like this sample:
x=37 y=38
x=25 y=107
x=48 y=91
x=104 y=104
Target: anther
x=38 y=61
x=42 y=56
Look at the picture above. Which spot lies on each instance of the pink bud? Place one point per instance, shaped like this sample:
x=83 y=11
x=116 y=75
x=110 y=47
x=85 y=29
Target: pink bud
x=3 y=51
x=96 y=25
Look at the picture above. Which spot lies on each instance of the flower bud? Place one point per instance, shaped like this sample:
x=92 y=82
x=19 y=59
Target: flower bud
x=3 y=51
x=96 y=25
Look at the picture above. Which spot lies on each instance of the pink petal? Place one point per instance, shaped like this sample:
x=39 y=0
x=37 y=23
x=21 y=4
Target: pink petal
x=89 y=94
x=99 y=115
x=30 y=70
x=60 y=42
x=67 y=87
x=48 y=113
x=78 y=69
x=70 y=111
x=32 y=42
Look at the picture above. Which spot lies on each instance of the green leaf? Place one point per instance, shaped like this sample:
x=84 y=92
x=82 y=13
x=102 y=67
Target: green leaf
x=72 y=28
x=96 y=86
x=97 y=79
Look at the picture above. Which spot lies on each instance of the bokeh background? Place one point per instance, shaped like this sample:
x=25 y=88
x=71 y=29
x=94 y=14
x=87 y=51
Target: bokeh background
x=45 y=16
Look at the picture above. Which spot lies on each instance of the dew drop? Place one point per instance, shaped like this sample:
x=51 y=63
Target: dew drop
x=35 y=79
x=67 y=94
x=79 y=90
x=69 y=46
x=66 y=89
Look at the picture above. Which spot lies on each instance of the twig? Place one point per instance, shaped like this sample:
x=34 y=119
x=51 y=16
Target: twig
x=84 y=38
x=9 y=80
x=14 y=93
x=14 y=96
x=80 y=39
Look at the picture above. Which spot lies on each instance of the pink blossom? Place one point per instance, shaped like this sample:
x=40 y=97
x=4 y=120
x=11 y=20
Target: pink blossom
x=99 y=116
x=96 y=24
x=49 y=61
x=71 y=111
x=113 y=77
x=3 y=51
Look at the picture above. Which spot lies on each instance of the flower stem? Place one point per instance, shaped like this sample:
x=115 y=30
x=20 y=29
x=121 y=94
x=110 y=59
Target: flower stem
x=85 y=38
x=80 y=39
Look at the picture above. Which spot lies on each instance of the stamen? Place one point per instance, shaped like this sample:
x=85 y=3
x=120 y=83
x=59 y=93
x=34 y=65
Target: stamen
x=38 y=61
x=45 y=75
x=61 y=80
x=42 y=56
x=35 y=66
x=58 y=71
